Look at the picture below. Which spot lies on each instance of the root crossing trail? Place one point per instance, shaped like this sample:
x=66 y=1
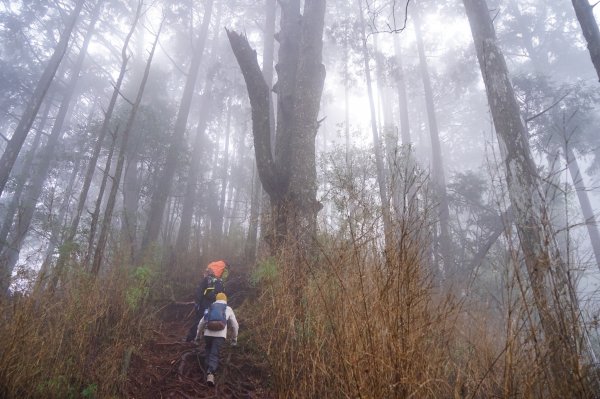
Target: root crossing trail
x=168 y=367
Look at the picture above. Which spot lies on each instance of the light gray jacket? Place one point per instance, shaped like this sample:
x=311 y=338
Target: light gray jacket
x=231 y=322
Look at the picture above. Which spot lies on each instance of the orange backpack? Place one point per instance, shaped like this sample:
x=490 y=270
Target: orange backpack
x=218 y=269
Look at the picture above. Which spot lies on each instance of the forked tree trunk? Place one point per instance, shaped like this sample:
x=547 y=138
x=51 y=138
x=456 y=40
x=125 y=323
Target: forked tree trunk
x=20 y=134
x=289 y=177
x=549 y=280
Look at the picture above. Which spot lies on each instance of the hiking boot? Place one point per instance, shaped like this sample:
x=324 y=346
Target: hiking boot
x=210 y=379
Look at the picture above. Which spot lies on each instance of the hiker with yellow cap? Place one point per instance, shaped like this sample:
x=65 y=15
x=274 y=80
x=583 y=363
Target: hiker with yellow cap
x=211 y=284
x=214 y=324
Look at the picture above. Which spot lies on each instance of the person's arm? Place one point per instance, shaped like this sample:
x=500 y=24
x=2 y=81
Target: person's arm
x=233 y=323
x=201 y=326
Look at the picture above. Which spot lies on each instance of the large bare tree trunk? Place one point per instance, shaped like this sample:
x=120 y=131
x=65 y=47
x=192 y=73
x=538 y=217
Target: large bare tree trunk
x=549 y=280
x=438 y=177
x=110 y=203
x=589 y=27
x=20 y=134
x=289 y=177
x=165 y=180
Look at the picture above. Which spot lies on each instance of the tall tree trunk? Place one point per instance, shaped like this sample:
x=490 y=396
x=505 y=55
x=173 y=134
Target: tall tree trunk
x=22 y=177
x=110 y=203
x=584 y=201
x=165 y=181
x=289 y=177
x=263 y=203
x=20 y=134
x=10 y=255
x=191 y=187
x=58 y=223
x=439 y=178
x=98 y=206
x=589 y=27
x=224 y=170
x=402 y=97
x=548 y=277
x=91 y=168
x=381 y=177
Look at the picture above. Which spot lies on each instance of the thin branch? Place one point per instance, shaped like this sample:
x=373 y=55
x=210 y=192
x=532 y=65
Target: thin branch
x=547 y=109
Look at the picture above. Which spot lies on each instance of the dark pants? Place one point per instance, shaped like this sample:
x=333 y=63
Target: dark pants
x=211 y=352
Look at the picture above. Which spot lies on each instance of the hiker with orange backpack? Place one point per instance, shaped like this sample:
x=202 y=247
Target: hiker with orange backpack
x=214 y=324
x=209 y=287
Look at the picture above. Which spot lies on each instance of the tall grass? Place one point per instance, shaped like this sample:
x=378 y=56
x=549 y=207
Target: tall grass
x=77 y=341
x=375 y=320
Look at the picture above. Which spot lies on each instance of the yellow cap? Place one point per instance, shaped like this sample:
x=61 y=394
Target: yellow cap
x=221 y=297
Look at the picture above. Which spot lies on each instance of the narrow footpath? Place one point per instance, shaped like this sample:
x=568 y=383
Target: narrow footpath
x=168 y=367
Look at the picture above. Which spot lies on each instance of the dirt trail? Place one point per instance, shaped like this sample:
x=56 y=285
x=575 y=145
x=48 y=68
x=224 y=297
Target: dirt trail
x=168 y=367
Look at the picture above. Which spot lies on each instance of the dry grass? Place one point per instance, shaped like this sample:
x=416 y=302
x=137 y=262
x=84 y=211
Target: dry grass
x=76 y=342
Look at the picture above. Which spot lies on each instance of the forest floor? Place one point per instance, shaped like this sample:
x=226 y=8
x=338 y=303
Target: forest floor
x=169 y=367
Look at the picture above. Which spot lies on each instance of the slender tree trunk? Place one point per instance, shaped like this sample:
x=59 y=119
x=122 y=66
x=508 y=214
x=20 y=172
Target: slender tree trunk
x=381 y=177
x=402 y=97
x=98 y=206
x=10 y=255
x=60 y=219
x=548 y=277
x=91 y=168
x=225 y=170
x=584 y=202
x=20 y=134
x=589 y=27
x=251 y=239
x=21 y=179
x=439 y=178
x=110 y=204
x=189 y=199
x=165 y=181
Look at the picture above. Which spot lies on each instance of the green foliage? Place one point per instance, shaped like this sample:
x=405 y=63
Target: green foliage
x=137 y=293
x=265 y=271
x=90 y=391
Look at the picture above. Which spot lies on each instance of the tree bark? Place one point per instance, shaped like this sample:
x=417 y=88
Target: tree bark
x=22 y=178
x=110 y=204
x=165 y=181
x=20 y=134
x=10 y=255
x=589 y=27
x=549 y=280
x=290 y=177
x=381 y=175
x=584 y=202
x=439 y=179
x=189 y=199
x=91 y=168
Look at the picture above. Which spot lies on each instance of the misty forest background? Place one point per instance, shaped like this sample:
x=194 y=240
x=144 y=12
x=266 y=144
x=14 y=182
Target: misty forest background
x=406 y=191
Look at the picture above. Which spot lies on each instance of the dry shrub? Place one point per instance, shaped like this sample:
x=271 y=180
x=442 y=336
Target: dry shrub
x=78 y=341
